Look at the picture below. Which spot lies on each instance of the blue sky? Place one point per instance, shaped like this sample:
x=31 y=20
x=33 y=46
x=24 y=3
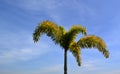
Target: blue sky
x=19 y=54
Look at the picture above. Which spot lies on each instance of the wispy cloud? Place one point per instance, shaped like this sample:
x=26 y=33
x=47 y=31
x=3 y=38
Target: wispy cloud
x=20 y=47
x=110 y=72
x=36 y=5
x=15 y=55
x=54 y=69
x=89 y=66
x=55 y=9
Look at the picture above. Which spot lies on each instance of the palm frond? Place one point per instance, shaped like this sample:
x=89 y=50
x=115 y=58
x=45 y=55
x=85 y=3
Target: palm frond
x=94 y=42
x=70 y=36
x=50 y=29
x=75 y=49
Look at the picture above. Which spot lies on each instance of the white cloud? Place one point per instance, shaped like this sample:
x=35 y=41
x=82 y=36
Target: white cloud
x=14 y=55
x=35 y=5
x=20 y=47
x=91 y=65
x=54 y=69
x=110 y=72
x=56 y=9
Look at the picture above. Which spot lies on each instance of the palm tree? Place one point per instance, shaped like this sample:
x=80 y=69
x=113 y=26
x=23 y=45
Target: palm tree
x=66 y=39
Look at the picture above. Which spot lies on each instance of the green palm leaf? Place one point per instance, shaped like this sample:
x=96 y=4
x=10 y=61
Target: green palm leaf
x=93 y=42
x=76 y=51
x=50 y=29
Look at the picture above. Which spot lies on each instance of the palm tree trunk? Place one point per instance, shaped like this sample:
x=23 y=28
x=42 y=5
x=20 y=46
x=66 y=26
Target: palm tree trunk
x=65 y=61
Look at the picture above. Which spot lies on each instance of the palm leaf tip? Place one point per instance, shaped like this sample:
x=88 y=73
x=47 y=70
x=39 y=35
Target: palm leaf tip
x=36 y=36
x=94 y=42
x=106 y=53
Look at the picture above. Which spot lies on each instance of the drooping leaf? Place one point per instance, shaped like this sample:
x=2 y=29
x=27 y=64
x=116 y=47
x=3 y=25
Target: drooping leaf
x=76 y=51
x=94 y=42
x=50 y=29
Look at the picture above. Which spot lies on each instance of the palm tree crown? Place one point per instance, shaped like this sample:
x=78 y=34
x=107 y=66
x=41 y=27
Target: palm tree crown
x=66 y=39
